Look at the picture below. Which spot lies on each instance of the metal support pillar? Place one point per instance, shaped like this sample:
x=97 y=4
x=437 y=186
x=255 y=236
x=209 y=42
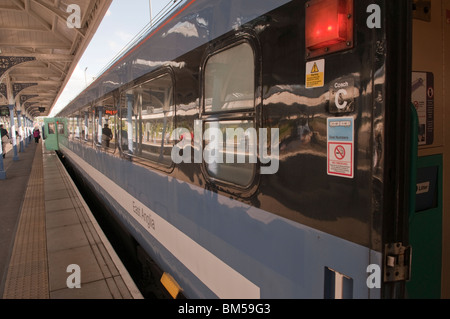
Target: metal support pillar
x=25 y=130
x=19 y=124
x=2 y=168
x=13 y=132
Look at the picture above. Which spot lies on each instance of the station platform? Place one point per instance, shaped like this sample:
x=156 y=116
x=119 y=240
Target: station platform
x=56 y=243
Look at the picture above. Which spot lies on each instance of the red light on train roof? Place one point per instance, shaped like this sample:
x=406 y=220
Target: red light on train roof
x=328 y=26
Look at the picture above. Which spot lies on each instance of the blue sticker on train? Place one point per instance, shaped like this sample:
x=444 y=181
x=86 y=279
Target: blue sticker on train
x=340 y=129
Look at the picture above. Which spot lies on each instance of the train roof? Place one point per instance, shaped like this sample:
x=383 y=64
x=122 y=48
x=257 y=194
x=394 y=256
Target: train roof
x=190 y=24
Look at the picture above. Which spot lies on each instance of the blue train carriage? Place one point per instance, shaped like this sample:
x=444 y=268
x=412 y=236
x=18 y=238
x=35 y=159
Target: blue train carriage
x=53 y=130
x=260 y=149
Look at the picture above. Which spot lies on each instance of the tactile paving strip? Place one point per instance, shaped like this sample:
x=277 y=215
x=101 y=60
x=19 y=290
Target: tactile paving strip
x=45 y=245
x=27 y=273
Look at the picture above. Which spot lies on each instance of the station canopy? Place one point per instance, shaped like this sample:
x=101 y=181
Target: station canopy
x=41 y=42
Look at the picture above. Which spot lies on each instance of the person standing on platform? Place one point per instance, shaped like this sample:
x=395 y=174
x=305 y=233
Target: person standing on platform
x=5 y=139
x=107 y=135
x=37 y=135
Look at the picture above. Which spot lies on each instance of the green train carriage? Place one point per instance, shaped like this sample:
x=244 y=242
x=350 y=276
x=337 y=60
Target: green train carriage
x=53 y=129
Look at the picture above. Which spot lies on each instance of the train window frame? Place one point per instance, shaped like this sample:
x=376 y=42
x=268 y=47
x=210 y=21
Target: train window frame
x=156 y=75
x=233 y=114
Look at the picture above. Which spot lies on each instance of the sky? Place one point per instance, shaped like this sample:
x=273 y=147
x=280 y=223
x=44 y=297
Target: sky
x=122 y=22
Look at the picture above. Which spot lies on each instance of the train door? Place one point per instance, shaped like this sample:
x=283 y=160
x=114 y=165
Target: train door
x=428 y=225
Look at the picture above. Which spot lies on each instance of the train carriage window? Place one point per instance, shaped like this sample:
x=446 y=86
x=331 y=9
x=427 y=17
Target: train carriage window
x=90 y=131
x=109 y=129
x=146 y=118
x=95 y=127
x=77 y=131
x=61 y=128
x=230 y=80
x=71 y=127
x=229 y=94
x=231 y=150
x=80 y=126
x=105 y=125
x=51 y=128
x=87 y=125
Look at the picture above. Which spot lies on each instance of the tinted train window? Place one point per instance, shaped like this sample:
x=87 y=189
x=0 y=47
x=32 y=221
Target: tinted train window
x=229 y=88
x=86 y=125
x=109 y=122
x=72 y=124
x=95 y=126
x=146 y=117
x=90 y=127
x=104 y=128
x=230 y=80
x=79 y=126
x=60 y=128
x=231 y=150
x=51 y=128
x=75 y=131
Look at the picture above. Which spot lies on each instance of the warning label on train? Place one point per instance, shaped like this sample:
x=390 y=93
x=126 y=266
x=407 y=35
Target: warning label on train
x=315 y=74
x=341 y=147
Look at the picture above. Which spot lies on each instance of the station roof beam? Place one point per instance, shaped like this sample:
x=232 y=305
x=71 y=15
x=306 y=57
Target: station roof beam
x=37 y=45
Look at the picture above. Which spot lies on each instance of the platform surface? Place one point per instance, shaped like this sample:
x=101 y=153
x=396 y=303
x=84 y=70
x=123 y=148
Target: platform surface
x=58 y=244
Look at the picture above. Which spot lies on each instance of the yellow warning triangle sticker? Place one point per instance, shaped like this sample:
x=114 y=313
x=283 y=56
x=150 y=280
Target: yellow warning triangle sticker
x=316 y=77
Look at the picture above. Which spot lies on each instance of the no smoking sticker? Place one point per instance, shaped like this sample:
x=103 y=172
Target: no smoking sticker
x=340 y=161
x=340 y=154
